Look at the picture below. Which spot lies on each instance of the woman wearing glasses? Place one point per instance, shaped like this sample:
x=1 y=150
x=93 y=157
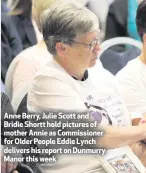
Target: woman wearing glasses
x=71 y=33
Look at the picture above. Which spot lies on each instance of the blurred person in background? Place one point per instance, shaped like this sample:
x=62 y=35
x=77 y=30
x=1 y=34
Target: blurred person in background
x=100 y=8
x=132 y=79
x=121 y=19
x=29 y=61
x=22 y=19
x=11 y=44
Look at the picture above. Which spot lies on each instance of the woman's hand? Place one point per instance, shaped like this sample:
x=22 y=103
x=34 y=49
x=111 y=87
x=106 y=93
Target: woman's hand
x=139 y=148
x=140 y=151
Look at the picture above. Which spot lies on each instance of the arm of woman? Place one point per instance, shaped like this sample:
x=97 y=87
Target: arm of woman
x=121 y=136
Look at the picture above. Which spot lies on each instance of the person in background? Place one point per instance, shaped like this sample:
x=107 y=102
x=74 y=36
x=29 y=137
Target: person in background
x=132 y=79
x=22 y=19
x=121 y=19
x=100 y=8
x=28 y=62
x=11 y=44
x=66 y=84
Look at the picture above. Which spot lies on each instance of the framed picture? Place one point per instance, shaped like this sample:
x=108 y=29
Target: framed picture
x=121 y=160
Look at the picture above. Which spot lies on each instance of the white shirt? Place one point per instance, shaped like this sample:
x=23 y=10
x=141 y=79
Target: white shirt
x=22 y=71
x=54 y=88
x=132 y=85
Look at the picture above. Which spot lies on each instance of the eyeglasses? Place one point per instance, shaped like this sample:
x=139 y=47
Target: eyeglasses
x=90 y=45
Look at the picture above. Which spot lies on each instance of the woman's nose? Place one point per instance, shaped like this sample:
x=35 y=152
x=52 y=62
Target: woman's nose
x=97 y=48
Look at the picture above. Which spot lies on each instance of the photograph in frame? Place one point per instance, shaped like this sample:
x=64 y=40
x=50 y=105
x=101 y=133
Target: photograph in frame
x=121 y=160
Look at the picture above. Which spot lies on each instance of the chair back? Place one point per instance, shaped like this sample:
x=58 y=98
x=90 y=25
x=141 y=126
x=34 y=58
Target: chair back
x=119 y=41
x=114 y=61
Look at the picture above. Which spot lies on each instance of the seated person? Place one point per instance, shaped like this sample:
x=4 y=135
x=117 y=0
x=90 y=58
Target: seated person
x=100 y=8
x=65 y=83
x=28 y=61
x=121 y=19
x=11 y=44
x=22 y=19
x=132 y=79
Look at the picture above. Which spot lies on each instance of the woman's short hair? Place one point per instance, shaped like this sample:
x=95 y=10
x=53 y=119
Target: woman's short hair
x=38 y=7
x=141 y=19
x=64 y=21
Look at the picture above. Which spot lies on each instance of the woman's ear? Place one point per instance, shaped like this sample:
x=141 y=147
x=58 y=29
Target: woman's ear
x=60 y=48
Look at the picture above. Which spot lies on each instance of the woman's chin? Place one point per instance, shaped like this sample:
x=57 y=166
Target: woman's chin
x=92 y=62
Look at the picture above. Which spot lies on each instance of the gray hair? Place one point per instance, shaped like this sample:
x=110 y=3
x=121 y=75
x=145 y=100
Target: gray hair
x=64 y=21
